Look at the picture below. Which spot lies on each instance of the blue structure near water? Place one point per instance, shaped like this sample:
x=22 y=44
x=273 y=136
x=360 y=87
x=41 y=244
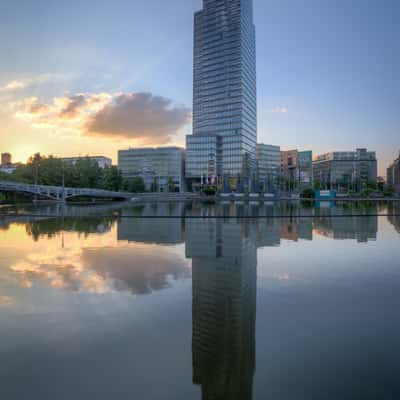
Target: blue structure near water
x=325 y=194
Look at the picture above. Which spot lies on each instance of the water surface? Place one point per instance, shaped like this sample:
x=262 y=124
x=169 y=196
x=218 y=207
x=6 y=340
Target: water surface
x=280 y=301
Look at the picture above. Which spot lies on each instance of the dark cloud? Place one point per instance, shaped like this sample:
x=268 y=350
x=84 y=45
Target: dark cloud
x=74 y=104
x=37 y=108
x=139 y=116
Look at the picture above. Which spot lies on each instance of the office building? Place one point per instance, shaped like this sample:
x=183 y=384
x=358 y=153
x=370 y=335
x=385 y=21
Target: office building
x=6 y=159
x=345 y=170
x=160 y=167
x=393 y=175
x=297 y=167
x=8 y=168
x=223 y=144
x=305 y=166
x=268 y=166
x=289 y=164
x=102 y=161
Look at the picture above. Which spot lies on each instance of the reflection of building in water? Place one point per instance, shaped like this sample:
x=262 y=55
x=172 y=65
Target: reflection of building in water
x=362 y=229
x=394 y=215
x=271 y=230
x=224 y=262
x=163 y=230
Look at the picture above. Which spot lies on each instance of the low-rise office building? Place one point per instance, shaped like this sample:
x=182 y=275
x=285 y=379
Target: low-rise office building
x=8 y=168
x=297 y=167
x=305 y=166
x=345 y=170
x=393 y=174
x=160 y=167
x=102 y=161
x=289 y=164
x=268 y=166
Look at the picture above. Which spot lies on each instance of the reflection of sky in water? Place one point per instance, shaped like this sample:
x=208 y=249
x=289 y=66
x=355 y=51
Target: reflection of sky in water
x=140 y=308
x=93 y=264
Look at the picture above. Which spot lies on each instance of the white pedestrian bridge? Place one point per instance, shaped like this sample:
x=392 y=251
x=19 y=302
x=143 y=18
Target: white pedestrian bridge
x=60 y=193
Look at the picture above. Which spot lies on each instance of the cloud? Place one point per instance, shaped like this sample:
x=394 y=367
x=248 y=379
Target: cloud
x=27 y=82
x=139 y=116
x=142 y=117
x=14 y=85
x=69 y=112
x=73 y=106
x=279 y=110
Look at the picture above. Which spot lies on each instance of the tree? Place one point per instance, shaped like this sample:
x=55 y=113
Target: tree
x=5 y=177
x=154 y=185
x=112 y=179
x=136 y=185
x=171 y=185
x=389 y=191
x=209 y=191
x=88 y=173
x=317 y=184
x=308 y=193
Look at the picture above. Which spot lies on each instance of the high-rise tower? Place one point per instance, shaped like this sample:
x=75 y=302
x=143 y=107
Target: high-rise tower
x=224 y=137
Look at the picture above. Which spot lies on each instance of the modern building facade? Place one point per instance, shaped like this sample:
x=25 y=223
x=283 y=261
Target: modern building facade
x=102 y=161
x=224 y=93
x=346 y=170
x=161 y=166
x=203 y=158
x=297 y=168
x=393 y=175
x=6 y=159
x=268 y=166
x=289 y=164
x=305 y=166
x=8 y=168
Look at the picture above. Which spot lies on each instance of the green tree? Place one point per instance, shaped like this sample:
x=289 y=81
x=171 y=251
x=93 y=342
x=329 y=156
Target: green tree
x=88 y=174
x=154 y=185
x=317 y=184
x=171 y=185
x=112 y=179
x=308 y=193
x=5 y=177
x=136 y=185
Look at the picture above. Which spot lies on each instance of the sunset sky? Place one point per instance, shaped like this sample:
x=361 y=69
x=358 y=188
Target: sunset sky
x=91 y=77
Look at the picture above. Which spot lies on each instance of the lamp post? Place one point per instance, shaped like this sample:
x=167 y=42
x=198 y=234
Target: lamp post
x=63 y=180
x=36 y=162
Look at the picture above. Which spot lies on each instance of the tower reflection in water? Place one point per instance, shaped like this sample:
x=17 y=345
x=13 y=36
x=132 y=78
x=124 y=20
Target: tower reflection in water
x=224 y=268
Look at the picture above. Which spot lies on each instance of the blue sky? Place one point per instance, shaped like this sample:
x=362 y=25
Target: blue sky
x=328 y=72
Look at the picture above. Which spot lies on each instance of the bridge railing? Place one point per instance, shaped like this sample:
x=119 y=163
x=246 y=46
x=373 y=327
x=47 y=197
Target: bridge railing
x=58 y=192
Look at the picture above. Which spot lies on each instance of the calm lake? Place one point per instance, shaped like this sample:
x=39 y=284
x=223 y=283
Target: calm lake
x=187 y=301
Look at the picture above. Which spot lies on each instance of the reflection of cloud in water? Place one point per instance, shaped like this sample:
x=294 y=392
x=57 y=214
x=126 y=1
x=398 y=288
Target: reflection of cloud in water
x=131 y=268
x=139 y=270
x=6 y=301
x=62 y=271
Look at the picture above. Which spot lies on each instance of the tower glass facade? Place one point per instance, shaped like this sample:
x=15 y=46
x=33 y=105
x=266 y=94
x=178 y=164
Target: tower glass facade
x=224 y=87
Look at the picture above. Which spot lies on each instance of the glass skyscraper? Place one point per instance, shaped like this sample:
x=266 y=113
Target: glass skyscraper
x=224 y=137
